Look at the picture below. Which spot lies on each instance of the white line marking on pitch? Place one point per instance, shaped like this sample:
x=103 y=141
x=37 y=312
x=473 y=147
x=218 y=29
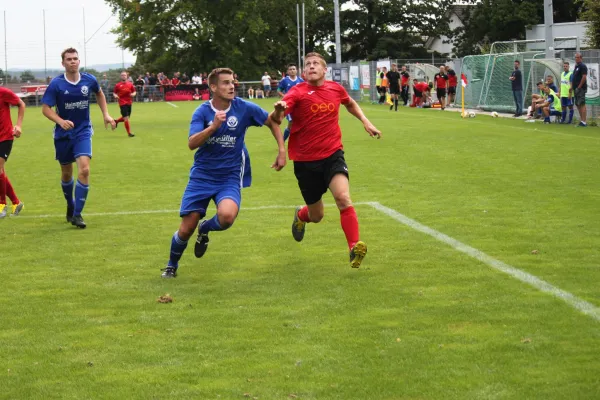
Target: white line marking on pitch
x=141 y=212
x=172 y=105
x=574 y=301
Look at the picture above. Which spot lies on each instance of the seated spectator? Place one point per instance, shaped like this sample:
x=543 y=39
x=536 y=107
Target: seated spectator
x=251 y=93
x=260 y=94
x=196 y=79
x=551 y=105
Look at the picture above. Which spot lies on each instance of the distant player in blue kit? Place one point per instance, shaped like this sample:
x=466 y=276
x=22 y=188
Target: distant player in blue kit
x=285 y=85
x=70 y=93
x=221 y=164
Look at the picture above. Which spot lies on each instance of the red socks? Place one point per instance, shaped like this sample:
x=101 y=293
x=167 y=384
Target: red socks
x=303 y=214
x=349 y=222
x=119 y=120
x=6 y=189
x=127 y=128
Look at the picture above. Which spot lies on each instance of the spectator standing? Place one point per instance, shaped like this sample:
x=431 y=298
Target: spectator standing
x=105 y=85
x=580 y=88
x=152 y=83
x=139 y=88
x=266 y=82
x=517 y=88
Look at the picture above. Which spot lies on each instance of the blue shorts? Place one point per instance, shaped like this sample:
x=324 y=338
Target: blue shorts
x=69 y=149
x=198 y=195
x=289 y=117
x=565 y=102
x=554 y=111
x=267 y=88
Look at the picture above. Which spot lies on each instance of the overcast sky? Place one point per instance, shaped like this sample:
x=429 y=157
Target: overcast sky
x=64 y=28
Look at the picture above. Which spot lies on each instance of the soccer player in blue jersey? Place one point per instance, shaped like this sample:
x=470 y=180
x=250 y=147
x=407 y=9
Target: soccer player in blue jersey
x=291 y=80
x=221 y=163
x=70 y=95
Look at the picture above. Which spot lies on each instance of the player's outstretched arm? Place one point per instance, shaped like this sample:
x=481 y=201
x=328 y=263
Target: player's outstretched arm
x=281 y=160
x=354 y=109
x=20 y=116
x=108 y=120
x=279 y=112
x=198 y=139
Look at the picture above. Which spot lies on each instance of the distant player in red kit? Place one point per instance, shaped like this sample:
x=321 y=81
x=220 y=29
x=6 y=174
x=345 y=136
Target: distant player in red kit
x=125 y=92
x=315 y=146
x=7 y=135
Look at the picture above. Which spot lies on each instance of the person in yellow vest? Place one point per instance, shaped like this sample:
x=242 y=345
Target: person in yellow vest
x=566 y=93
x=552 y=104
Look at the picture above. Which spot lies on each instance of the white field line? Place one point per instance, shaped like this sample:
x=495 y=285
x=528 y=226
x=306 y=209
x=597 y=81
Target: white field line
x=172 y=105
x=166 y=211
x=574 y=301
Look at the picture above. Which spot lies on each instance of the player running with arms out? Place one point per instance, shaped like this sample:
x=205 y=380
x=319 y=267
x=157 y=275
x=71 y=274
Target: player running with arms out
x=8 y=133
x=315 y=146
x=285 y=85
x=70 y=95
x=125 y=92
x=221 y=164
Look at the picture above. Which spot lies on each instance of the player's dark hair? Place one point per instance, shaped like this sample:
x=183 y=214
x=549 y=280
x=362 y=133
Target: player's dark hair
x=541 y=83
x=213 y=77
x=518 y=62
x=315 y=54
x=292 y=65
x=69 y=50
x=566 y=62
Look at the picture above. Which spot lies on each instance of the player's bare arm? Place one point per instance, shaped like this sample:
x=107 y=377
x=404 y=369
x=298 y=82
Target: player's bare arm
x=198 y=139
x=108 y=120
x=49 y=113
x=279 y=113
x=354 y=109
x=281 y=159
x=21 y=115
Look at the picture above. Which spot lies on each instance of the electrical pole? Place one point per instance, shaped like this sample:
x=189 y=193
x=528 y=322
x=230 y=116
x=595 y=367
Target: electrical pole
x=549 y=22
x=338 y=42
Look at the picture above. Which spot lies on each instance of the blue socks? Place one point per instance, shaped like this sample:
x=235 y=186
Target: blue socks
x=211 y=225
x=178 y=246
x=81 y=192
x=67 y=189
x=564 y=116
x=286 y=134
x=571 y=112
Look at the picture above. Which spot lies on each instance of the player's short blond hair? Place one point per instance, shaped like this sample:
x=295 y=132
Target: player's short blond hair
x=69 y=50
x=213 y=77
x=319 y=56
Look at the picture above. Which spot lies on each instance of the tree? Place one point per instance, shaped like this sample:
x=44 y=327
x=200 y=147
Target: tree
x=27 y=76
x=592 y=14
x=376 y=29
x=495 y=20
x=249 y=36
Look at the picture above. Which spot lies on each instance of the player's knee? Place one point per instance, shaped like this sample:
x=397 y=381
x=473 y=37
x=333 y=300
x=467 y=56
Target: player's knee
x=316 y=216
x=342 y=200
x=185 y=232
x=226 y=219
x=84 y=172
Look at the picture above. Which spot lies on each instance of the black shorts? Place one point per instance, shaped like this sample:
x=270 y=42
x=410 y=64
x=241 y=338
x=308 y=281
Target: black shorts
x=418 y=93
x=126 y=110
x=452 y=90
x=394 y=89
x=314 y=176
x=441 y=93
x=5 y=149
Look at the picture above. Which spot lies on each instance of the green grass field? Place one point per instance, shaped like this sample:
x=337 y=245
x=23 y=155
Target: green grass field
x=261 y=316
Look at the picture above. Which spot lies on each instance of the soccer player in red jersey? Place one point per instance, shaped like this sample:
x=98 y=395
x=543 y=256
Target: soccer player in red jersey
x=125 y=92
x=7 y=135
x=315 y=146
x=441 y=84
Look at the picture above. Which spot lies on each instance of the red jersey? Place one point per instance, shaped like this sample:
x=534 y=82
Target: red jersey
x=452 y=79
x=175 y=81
x=7 y=99
x=315 y=111
x=440 y=80
x=422 y=86
x=124 y=91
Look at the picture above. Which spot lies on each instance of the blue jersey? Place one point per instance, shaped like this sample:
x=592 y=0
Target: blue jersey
x=72 y=102
x=286 y=84
x=223 y=157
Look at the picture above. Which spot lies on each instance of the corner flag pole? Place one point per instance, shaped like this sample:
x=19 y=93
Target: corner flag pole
x=462 y=97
